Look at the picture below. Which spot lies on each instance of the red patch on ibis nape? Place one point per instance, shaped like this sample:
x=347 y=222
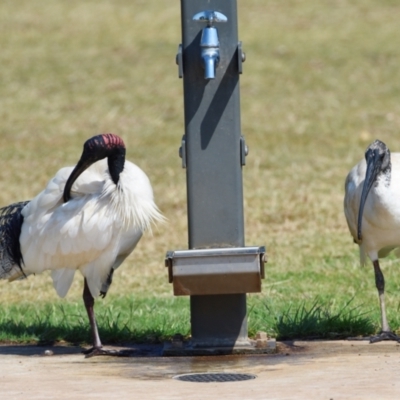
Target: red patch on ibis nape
x=111 y=140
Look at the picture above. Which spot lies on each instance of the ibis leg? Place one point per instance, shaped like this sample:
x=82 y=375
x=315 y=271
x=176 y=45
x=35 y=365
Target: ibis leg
x=386 y=333
x=89 y=304
x=97 y=348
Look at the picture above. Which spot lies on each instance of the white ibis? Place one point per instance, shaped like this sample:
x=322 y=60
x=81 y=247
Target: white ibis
x=88 y=218
x=372 y=209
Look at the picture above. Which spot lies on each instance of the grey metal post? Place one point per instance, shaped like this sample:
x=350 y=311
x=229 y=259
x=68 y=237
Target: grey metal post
x=217 y=271
x=213 y=165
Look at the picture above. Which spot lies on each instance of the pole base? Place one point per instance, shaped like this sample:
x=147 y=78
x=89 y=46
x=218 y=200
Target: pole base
x=178 y=348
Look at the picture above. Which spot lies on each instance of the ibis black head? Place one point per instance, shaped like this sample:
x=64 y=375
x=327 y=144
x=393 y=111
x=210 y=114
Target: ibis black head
x=377 y=157
x=96 y=148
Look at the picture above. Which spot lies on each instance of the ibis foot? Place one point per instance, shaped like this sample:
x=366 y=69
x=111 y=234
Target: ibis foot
x=384 y=335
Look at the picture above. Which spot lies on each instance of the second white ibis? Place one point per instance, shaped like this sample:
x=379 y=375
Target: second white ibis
x=372 y=209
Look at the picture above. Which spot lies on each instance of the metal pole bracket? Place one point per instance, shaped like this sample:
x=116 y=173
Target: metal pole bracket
x=179 y=61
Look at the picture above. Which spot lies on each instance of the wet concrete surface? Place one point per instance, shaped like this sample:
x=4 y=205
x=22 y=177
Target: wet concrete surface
x=300 y=370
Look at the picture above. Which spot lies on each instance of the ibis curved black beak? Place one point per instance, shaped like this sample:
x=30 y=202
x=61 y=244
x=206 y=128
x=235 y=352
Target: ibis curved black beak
x=79 y=168
x=374 y=164
x=95 y=149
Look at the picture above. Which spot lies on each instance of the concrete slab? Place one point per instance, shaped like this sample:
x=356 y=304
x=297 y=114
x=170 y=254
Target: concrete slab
x=301 y=370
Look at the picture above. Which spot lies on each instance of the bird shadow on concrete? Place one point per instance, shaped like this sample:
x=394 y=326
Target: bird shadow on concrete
x=38 y=350
x=129 y=350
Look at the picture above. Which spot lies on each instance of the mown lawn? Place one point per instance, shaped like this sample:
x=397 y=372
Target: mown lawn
x=321 y=81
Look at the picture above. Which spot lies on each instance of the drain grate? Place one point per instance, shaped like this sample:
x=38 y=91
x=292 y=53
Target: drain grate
x=214 y=377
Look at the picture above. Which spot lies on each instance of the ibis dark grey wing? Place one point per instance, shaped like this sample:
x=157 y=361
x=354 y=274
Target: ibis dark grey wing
x=11 y=220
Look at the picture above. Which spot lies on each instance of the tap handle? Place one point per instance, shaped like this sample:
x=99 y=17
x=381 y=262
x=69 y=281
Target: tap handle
x=210 y=17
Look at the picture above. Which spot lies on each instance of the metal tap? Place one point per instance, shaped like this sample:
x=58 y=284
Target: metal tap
x=209 y=41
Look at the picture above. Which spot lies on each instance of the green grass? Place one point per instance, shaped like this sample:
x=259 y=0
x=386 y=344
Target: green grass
x=319 y=321
x=121 y=321
x=321 y=81
x=153 y=320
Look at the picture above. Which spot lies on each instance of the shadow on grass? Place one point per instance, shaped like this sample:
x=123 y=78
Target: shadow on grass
x=46 y=333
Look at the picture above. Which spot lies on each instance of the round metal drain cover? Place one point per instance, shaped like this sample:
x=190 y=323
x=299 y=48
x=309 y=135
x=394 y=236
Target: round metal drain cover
x=214 y=377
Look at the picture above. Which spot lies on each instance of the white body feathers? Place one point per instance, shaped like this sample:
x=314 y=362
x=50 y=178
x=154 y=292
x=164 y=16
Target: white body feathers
x=93 y=232
x=381 y=216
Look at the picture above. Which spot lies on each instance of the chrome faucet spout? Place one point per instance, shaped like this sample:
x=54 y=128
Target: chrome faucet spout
x=209 y=42
x=210 y=61
x=209 y=45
